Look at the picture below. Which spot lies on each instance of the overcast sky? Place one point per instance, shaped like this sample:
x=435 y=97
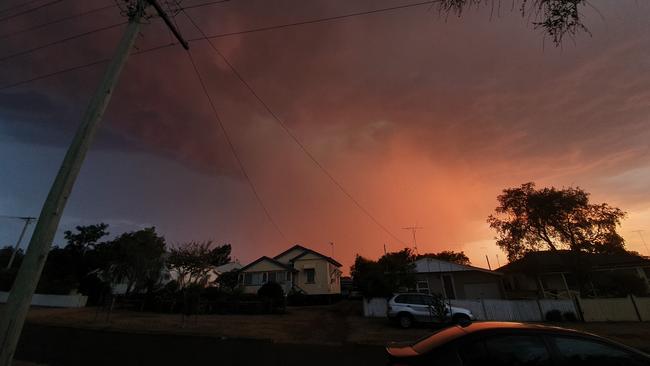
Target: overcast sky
x=424 y=120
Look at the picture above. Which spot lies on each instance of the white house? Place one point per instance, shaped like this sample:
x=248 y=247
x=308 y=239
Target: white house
x=298 y=268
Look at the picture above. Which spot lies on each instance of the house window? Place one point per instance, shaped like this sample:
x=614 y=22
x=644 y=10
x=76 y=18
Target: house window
x=310 y=274
x=422 y=287
x=253 y=278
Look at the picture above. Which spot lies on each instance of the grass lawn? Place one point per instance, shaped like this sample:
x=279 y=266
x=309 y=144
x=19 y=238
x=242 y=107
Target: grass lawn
x=333 y=324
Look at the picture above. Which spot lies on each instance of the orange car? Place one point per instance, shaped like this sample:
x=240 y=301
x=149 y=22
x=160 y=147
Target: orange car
x=514 y=344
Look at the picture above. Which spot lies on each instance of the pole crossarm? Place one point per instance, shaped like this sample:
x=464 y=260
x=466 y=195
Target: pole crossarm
x=161 y=12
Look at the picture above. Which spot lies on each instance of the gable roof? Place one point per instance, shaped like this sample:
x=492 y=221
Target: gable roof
x=297 y=246
x=271 y=260
x=569 y=261
x=434 y=265
x=305 y=252
x=309 y=251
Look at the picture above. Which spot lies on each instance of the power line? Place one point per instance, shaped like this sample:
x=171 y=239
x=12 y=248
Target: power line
x=78 y=67
x=193 y=6
x=18 y=6
x=63 y=40
x=253 y=30
x=233 y=149
x=16 y=217
x=293 y=136
x=56 y=21
x=30 y=10
x=313 y=21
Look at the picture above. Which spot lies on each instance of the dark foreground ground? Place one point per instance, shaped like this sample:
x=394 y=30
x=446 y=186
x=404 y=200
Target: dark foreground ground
x=55 y=345
x=317 y=335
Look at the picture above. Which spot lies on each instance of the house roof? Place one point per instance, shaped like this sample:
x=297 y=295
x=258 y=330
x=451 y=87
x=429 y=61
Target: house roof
x=297 y=246
x=305 y=252
x=569 y=261
x=434 y=265
x=265 y=258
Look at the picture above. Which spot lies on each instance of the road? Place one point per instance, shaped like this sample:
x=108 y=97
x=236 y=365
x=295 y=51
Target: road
x=54 y=345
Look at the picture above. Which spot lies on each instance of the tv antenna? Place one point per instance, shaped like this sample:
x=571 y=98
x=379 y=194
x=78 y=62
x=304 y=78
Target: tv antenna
x=413 y=230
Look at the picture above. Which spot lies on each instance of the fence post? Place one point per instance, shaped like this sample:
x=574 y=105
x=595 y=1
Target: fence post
x=578 y=306
x=485 y=315
x=541 y=312
x=636 y=308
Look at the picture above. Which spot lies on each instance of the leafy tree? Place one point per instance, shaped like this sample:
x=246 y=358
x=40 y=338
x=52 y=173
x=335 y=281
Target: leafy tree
x=448 y=256
x=228 y=281
x=529 y=219
x=193 y=261
x=556 y=18
x=383 y=277
x=135 y=257
x=7 y=276
x=86 y=237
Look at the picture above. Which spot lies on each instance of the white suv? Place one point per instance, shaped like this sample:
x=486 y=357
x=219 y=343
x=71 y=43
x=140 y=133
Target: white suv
x=410 y=308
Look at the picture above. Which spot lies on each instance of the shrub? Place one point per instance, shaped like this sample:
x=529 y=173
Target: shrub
x=569 y=316
x=553 y=316
x=271 y=290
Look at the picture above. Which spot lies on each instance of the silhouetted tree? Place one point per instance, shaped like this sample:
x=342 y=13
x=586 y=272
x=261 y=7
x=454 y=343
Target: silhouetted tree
x=86 y=237
x=556 y=18
x=135 y=257
x=7 y=276
x=192 y=262
x=529 y=219
x=382 y=278
x=228 y=281
x=448 y=256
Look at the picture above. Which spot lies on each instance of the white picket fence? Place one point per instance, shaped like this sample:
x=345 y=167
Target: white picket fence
x=515 y=310
x=591 y=310
x=54 y=301
x=490 y=309
x=623 y=309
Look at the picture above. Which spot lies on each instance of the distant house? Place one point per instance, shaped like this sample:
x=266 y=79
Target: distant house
x=457 y=281
x=296 y=269
x=564 y=274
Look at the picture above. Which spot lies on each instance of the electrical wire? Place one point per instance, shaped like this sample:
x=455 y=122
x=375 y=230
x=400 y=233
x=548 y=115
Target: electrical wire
x=63 y=40
x=193 y=6
x=56 y=21
x=87 y=12
x=232 y=147
x=82 y=66
x=260 y=29
x=30 y=10
x=294 y=137
x=313 y=21
x=16 y=217
x=18 y=6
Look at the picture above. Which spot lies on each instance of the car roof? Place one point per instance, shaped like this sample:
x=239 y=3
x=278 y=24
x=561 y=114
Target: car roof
x=480 y=326
x=449 y=334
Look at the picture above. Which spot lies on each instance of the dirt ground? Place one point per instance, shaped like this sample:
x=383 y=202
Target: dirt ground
x=337 y=324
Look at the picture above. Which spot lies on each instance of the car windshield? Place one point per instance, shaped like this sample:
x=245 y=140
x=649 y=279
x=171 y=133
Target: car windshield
x=437 y=339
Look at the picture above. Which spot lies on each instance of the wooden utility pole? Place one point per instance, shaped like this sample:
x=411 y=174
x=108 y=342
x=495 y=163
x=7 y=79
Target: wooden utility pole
x=28 y=220
x=20 y=297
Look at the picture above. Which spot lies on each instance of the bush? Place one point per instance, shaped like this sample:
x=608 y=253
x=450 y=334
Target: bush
x=553 y=316
x=271 y=290
x=96 y=289
x=569 y=316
